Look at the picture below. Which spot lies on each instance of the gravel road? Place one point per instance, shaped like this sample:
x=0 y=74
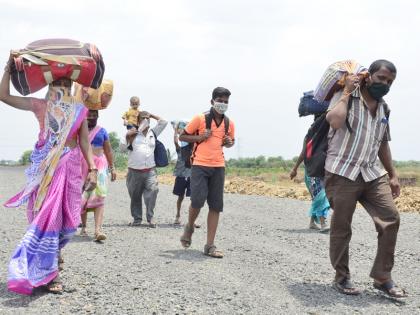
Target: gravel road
x=272 y=264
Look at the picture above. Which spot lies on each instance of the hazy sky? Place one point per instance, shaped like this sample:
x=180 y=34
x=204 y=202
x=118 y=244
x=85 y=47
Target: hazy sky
x=173 y=53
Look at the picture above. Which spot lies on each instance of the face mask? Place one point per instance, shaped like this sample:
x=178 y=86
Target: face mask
x=144 y=124
x=219 y=107
x=377 y=90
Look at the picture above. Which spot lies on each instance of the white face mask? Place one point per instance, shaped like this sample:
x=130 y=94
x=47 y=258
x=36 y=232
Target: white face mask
x=220 y=107
x=144 y=124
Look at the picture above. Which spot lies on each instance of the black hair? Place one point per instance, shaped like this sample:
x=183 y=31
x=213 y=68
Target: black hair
x=94 y=111
x=219 y=92
x=59 y=82
x=378 y=64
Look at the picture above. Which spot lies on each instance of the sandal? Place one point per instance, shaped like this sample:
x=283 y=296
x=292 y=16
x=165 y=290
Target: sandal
x=83 y=232
x=177 y=221
x=391 y=289
x=345 y=286
x=186 y=240
x=212 y=251
x=55 y=286
x=100 y=236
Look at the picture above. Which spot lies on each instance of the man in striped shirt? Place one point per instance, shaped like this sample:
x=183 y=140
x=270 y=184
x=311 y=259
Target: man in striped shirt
x=353 y=173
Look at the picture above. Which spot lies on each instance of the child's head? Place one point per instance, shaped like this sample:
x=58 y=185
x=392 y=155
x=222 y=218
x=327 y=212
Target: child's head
x=134 y=102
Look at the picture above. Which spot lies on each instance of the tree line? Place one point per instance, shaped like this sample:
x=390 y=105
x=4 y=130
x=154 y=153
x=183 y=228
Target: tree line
x=121 y=157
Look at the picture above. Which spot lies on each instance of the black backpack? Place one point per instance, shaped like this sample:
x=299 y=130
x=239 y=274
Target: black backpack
x=187 y=152
x=316 y=144
x=161 y=157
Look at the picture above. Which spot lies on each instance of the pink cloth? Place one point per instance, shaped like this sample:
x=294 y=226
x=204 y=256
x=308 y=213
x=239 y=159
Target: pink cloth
x=53 y=192
x=95 y=199
x=35 y=260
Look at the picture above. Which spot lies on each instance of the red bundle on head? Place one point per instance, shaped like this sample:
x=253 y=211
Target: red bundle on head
x=44 y=61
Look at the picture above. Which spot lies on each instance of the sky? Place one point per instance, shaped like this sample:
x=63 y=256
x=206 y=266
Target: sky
x=267 y=53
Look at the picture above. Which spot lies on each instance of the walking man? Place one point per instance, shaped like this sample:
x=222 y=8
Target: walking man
x=141 y=177
x=210 y=132
x=353 y=174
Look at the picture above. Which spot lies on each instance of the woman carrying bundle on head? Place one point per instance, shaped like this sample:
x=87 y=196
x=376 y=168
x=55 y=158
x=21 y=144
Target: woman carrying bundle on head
x=53 y=187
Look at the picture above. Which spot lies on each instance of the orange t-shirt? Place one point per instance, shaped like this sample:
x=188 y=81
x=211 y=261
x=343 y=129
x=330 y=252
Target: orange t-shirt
x=210 y=152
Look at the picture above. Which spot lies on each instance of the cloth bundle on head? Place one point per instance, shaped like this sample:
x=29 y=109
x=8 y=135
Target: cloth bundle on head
x=95 y=99
x=44 y=61
x=334 y=78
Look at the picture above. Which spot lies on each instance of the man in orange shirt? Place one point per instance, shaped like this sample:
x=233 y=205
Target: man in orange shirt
x=209 y=132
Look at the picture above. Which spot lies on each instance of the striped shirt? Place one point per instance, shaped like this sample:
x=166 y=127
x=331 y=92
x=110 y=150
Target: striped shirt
x=352 y=153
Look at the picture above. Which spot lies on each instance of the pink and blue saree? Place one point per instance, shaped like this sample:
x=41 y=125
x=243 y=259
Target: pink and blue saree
x=53 y=194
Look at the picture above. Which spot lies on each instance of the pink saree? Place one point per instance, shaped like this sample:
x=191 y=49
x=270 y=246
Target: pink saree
x=53 y=195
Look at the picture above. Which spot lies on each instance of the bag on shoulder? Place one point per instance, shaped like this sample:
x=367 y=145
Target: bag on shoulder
x=161 y=156
x=316 y=144
x=309 y=106
x=188 y=151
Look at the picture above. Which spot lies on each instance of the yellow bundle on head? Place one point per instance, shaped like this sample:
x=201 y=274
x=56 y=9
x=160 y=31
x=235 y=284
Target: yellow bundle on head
x=96 y=99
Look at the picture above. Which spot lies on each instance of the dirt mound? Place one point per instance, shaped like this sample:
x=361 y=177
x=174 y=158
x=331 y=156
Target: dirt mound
x=409 y=201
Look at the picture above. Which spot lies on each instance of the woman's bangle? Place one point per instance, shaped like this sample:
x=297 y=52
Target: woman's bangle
x=111 y=168
x=93 y=170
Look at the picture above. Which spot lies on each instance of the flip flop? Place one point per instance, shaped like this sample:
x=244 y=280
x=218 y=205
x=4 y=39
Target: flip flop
x=391 y=289
x=345 y=286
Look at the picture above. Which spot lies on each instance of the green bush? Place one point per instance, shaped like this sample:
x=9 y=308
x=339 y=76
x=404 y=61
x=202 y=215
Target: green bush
x=120 y=160
x=26 y=157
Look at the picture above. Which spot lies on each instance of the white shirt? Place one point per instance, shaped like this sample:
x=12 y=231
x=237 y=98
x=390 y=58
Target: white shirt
x=142 y=156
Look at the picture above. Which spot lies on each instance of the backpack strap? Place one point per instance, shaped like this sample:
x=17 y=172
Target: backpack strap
x=226 y=121
x=386 y=110
x=349 y=105
x=208 y=117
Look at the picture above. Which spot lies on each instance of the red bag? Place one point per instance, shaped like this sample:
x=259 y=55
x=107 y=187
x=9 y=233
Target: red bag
x=47 y=60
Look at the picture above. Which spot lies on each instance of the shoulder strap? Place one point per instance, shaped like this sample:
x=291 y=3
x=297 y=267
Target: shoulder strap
x=386 y=110
x=349 y=104
x=208 y=118
x=226 y=120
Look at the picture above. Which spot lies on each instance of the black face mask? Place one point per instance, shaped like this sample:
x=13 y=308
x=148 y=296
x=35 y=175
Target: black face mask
x=92 y=123
x=378 y=90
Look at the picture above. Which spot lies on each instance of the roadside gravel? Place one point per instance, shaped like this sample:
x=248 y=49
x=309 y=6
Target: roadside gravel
x=273 y=264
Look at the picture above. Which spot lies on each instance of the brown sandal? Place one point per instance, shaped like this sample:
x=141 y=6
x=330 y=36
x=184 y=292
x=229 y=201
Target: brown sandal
x=346 y=287
x=391 y=289
x=212 y=251
x=55 y=286
x=186 y=240
x=100 y=236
